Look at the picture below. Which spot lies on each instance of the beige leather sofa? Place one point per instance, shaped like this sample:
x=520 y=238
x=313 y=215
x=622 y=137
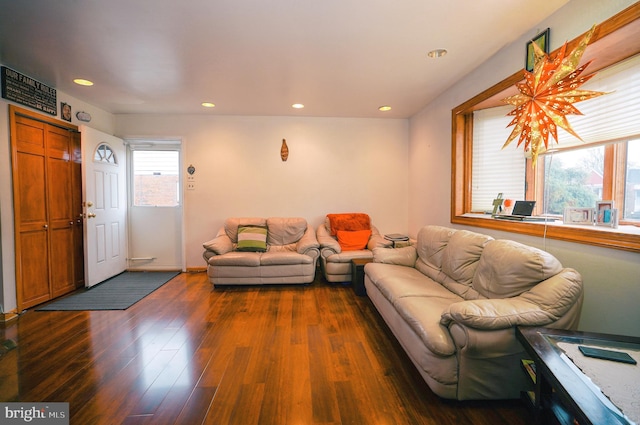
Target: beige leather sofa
x=335 y=262
x=453 y=301
x=291 y=253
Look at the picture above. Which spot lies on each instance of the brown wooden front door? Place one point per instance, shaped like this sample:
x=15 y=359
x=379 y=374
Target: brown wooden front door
x=46 y=192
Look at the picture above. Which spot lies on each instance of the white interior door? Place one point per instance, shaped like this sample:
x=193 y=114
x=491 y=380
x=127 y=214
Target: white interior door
x=155 y=208
x=105 y=205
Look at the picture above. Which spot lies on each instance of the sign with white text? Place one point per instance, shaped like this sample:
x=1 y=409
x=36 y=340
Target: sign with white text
x=34 y=413
x=27 y=91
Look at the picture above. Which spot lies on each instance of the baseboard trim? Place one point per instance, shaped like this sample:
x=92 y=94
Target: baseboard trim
x=196 y=269
x=6 y=317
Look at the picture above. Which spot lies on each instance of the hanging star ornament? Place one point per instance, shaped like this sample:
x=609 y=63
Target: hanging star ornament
x=547 y=96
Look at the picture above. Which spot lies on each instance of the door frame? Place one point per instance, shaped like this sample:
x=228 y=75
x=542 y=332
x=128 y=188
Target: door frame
x=156 y=143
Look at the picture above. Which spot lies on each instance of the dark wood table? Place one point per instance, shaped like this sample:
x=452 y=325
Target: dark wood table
x=561 y=394
x=357 y=275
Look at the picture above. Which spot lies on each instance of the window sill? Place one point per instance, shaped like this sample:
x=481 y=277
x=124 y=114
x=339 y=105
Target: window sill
x=623 y=237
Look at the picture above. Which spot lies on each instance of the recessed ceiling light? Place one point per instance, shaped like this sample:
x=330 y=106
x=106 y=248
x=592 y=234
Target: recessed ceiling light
x=437 y=53
x=208 y=104
x=83 y=82
x=384 y=108
x=297 y=106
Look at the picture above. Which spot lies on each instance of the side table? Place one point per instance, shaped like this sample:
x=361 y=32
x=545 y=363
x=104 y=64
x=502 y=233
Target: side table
x=357 y=275
x=397 y=240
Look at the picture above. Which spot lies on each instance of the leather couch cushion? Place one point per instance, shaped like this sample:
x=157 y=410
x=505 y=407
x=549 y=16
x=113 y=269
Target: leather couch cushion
x=396 y=282
x=274 y=258
x=231 y=225
x=285 y=230
x=236 y=258
x=405 y=256
x=508 y=268
x=431 y=242
x=347 y=256
x=459 y=262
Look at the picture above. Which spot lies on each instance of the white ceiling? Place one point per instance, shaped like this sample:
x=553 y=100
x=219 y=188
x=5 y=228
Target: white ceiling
x=341 y=58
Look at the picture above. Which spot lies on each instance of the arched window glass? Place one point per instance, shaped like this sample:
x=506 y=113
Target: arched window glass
x=105 y=154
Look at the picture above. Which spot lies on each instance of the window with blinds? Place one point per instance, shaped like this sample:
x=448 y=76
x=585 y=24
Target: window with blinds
x=495 y=170
x=575 y=174
x=609 y=118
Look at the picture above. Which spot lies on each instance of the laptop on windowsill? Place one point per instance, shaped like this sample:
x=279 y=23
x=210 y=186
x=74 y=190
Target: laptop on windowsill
x=522 y=211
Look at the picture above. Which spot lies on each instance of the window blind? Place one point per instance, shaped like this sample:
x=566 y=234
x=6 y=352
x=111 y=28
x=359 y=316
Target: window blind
x=495 y=170
x=609 y=118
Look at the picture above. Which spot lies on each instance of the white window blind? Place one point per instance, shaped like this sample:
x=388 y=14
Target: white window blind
x=609 y=118
x=495 y=170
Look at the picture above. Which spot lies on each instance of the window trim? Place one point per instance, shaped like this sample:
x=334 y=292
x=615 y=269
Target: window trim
x=613 y=40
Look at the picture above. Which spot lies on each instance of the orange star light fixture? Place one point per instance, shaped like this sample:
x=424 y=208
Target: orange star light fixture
x=547 y=96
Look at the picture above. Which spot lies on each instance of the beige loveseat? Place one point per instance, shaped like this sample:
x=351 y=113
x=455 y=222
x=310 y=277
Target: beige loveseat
x=335 y=261
x=290 y=252
x=453 y=301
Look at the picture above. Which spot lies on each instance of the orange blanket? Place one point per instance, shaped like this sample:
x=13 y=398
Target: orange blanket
x=349 y=222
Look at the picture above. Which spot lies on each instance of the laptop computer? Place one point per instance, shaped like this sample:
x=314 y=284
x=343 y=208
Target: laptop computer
x=522 y=211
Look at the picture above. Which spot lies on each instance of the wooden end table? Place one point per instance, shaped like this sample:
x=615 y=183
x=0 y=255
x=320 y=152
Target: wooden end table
x=357 y=275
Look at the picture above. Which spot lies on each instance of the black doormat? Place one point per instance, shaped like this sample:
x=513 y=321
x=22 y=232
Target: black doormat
x=118 y=293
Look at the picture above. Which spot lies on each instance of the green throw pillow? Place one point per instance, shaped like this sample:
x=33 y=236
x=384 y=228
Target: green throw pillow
x=252 y=238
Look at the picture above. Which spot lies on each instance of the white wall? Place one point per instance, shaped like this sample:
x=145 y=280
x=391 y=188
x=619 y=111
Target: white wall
x=612 y=286
x=100 y=120
x=334 y=165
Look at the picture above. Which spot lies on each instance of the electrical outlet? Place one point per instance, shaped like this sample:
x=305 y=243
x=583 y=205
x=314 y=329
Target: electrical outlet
x=190 y=177
x=191 y=185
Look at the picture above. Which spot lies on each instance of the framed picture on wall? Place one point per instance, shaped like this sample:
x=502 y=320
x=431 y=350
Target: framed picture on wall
x=542 y=40
x=65 y=111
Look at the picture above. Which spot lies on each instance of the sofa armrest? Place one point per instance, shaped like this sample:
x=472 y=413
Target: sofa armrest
x=495 y=314
x=219 y=245
x=308 y=243
x=378 y=241
x=545 y=303
x=328 y=244
x=483 y=343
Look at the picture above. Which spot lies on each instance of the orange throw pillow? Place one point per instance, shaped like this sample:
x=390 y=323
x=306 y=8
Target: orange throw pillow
x=349 y=221
x=353 y=240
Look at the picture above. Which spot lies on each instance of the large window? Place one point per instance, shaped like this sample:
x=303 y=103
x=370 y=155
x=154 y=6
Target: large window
x=604 y=166
x=574 y=172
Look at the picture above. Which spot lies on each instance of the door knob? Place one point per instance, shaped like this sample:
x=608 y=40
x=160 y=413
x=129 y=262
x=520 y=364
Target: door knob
x=90 y=215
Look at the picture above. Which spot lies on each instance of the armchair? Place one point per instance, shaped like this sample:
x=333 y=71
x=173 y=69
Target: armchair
x=344 y=237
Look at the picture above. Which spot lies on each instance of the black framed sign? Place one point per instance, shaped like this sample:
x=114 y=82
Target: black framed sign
x=25 y=90
x=542 y=40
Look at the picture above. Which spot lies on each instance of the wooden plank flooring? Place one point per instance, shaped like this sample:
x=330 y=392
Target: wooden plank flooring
x=190 y=354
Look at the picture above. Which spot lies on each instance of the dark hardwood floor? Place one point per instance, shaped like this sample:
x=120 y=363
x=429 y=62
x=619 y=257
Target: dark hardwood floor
x=189 y=354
